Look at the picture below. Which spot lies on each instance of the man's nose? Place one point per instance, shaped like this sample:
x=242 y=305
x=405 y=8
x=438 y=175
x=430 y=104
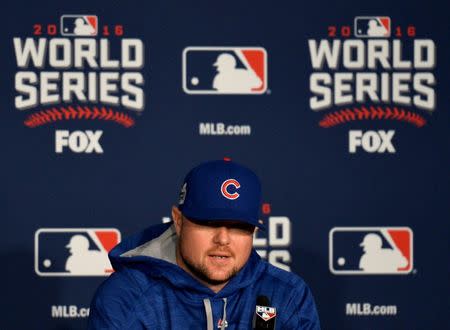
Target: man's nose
x=222 y=236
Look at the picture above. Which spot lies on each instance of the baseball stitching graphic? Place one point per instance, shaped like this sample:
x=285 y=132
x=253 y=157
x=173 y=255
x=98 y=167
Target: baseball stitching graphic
x=54 y=114
x=346 y=115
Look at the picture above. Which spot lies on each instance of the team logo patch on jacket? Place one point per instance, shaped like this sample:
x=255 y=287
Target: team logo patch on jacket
x=265 y=312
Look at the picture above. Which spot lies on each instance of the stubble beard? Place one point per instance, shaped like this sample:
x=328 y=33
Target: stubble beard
x=201 y=271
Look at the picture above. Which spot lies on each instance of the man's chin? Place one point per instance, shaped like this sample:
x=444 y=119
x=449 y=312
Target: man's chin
x=216 y=277
x=220 y=277
x=216 y=281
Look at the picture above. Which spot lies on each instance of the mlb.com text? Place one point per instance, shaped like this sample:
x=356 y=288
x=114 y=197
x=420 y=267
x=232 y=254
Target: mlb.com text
x=69 y=312
x=367 y=309
x=222 y=129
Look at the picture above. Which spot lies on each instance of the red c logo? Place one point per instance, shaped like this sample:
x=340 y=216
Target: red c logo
x=224 y=188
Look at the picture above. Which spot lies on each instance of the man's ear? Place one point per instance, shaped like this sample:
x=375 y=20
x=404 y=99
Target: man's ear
x=177 y=219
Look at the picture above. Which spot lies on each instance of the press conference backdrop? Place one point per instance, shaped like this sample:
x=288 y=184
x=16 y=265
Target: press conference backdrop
x=341 y=108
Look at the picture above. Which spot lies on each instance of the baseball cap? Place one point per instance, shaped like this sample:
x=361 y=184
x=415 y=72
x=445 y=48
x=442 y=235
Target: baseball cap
x=221 y=190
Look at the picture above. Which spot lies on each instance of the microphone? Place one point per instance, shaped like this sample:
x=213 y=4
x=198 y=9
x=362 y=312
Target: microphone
x=265 y=315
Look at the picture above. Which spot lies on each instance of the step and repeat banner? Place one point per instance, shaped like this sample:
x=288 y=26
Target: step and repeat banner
x=341 y=108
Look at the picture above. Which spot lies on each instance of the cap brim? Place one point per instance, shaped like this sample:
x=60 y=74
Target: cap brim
x=224 y=215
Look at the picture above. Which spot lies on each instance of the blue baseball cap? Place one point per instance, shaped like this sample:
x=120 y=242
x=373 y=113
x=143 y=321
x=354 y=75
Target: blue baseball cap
x=221 y=190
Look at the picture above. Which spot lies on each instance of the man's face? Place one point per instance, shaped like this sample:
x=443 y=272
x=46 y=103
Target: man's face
x=212 y=252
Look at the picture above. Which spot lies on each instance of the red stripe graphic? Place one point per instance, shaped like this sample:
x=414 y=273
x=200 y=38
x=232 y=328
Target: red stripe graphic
x=402 y=240
x=109 y=239
x=385 y=22
x=92 y=21
x=256 y=59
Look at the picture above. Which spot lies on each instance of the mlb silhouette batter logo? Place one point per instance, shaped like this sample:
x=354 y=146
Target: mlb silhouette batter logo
x=74 y=251
x=371 y=250
x=79 y=25
x=224 y=70
x=372 y=26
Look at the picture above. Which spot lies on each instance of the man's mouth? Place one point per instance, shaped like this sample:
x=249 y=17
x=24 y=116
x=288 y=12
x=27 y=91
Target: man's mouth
x=219 y=257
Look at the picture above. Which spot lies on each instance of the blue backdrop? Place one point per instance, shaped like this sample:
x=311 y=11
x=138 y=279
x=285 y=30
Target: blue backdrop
x=99 y=151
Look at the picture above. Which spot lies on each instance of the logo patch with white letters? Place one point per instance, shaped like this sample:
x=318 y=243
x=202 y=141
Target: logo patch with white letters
x=265 y=312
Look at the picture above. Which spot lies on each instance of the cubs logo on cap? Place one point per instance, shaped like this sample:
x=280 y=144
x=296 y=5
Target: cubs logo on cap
x=221 y=190
x=224 y=189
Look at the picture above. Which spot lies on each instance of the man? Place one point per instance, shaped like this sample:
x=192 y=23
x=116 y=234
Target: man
x=201 y=272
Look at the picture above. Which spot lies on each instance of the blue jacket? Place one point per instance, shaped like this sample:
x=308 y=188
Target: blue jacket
x=148 y=290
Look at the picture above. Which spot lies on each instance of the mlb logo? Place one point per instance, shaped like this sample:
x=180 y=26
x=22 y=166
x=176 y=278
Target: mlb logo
x=224 y=70
x=79 y=25
x=370 y=250
x=265 y=312
x=372 y=26
x=74 y=251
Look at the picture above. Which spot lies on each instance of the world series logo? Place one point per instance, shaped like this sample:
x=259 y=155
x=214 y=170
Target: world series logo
x=274 y=244
x=78 y=70
x=372 y=70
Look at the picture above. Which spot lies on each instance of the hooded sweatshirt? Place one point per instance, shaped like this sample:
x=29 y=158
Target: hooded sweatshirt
x=148 y=290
